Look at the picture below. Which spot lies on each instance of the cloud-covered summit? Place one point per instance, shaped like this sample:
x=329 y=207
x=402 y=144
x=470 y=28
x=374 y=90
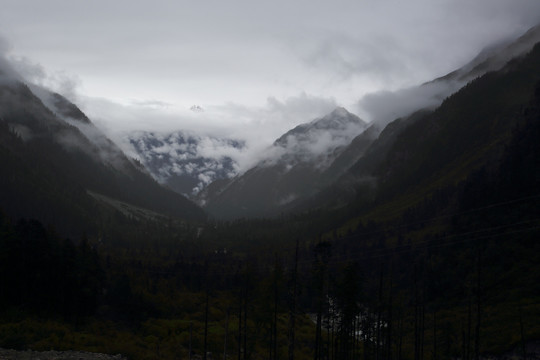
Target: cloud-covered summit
x=318 y=139
x=385 y=106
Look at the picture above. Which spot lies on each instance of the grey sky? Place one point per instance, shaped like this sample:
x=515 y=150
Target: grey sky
x=255 y=66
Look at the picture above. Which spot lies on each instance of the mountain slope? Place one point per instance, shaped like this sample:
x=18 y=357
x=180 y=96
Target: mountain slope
x=295 y=169
x=374 y=168
x=493 y=58
x=358 y=168
x=386 y=106
x=432 y=152
x=55 y=156
x=469 y=128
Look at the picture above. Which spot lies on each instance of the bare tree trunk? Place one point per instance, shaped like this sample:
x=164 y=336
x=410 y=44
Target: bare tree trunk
x=240 y=326
x=390 y=319
x=469 y=325
x=190 y=338
x=292 y=308
x=276 y=303
x=478 y=305
x=416 y=317
x=317 y=352
x=400 y=341
x=206 y=311
x=245 y=314
x=226 y=335
x=434 y=334
x=206 y=327
x=522 y=332
x=379 y=314
x=330 y=333
x=322 y=254
x=366 y=329
x=422 y=329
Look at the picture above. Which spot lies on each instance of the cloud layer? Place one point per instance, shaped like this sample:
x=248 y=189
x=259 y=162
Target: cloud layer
x=257 y=127
x=239 y=51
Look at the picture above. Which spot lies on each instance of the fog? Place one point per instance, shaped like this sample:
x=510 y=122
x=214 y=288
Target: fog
x=385 y=106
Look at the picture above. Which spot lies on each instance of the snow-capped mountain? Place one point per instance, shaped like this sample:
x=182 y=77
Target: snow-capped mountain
x=314 y=155
x=319 y=139
x=185 y=162
x=293 y=169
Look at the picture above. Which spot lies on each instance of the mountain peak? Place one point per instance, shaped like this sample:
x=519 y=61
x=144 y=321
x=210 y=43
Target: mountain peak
x=339 y=117
x=335 y=123
x=340 y=111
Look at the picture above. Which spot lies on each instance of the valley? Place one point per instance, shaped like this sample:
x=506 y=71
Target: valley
x=412 y=238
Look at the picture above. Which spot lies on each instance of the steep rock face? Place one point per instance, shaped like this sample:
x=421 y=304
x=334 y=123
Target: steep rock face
x=55 y=156
x=297 y=166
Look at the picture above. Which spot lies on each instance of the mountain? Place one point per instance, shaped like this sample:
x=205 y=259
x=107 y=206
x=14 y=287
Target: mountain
x=295 y=168
x=361 y=177
x=494 y=57
x=363 y=164
x=320 y=137
x=62 y=169
x=431 y=223
x=431 y=152
x=386 y=106
x=185 y=162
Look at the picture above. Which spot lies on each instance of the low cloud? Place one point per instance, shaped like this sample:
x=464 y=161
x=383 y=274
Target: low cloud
x=7 y=73
x=352 y=59
x=153 y=104
x=316 y=142
x=58 y=81
x=385 y=106
x=257 y=127
x=195 y=160
x=5 y=46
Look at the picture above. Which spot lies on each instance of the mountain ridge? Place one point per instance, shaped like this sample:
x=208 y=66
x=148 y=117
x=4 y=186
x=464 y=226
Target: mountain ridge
x=293 y=170
x=43 y=148
x=366 y=163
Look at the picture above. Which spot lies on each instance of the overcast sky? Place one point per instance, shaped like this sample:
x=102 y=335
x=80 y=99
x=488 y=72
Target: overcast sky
x=254 y=66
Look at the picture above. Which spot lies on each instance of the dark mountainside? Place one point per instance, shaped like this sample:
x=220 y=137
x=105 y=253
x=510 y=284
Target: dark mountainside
x=424 y=247
x=54 y=167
